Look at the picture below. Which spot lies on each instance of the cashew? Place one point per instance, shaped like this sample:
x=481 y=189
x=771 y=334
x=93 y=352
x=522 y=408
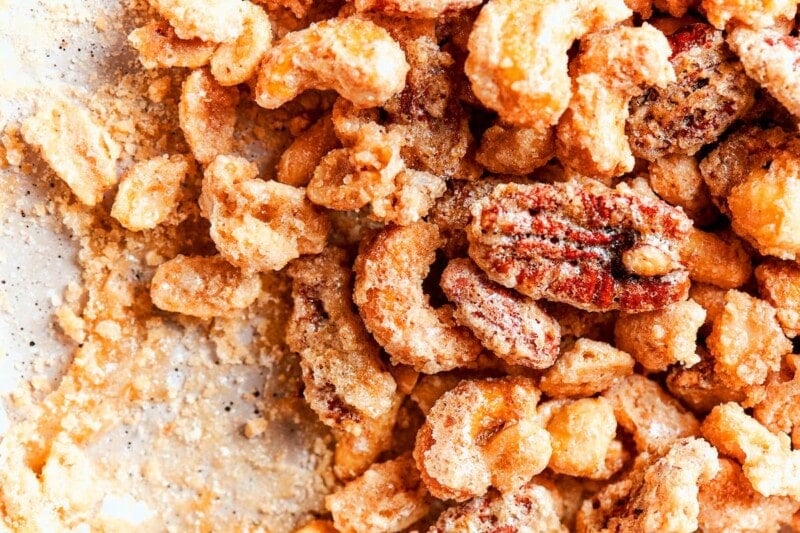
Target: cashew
x=219 y=21
x=207 y=115
x=158 y=46
x=416 y=8
x=355 y=57
x=236 y=62
x=518 y=54
x=609 y=71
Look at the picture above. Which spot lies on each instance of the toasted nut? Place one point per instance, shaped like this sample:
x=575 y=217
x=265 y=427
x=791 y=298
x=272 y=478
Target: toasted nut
x=756 y=14
x=353 y=56
x=78 y=149
x=236 y=62
x=700 y=387
x=258 y=225
x=610 y=69
x=158 y=46
x=149 y=191
x=655 y=419
x=344 y=377
x=219 y=21
x=660 y=338
x=716 y=258
x=517 y=61
x=677 y=180
x=204 y=287
x=746 y=340
x=482 y=433
x=297 y=163
x=389 y=273
x=388 y=497
x=779 y=284
x=207 y=114
x=779 y=410
x=416 y=8
x=588 y=367
x=511 y=325
x=516 y=150
x=560 y=241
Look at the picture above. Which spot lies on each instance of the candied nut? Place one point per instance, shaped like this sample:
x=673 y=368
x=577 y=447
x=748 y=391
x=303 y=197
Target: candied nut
x=755 y=14
x=357 y=449
x=413 y=197
x=711 y=92
x=655 y=419
x=677 y=180
x=770 y=465
x=317 y=526
x=676 y=8
x=565 y=242
x=516 y=150
x=700 y=387
x=716 y=258
x=388 y=497
x=344 y=378
x=728 y=504
x=779 y=284
x=149 y=191
x=158 y=46
x=204 y=287
x=236 y=62
x=416 y=8
x=658 y=495
x=586 y=368
x=207 y=115
x=79 y=150
x=390 y=270
x=482 y=433
x=452 y=212
x=353 y=56
x=511 y=325
x=746 y=340
x=711 y=298
x=763 y=207
x=431 y=387
x=517 y=63
x=298 y=162
x=534 y=507
x=660 y=338
x=779 y=410
x=220 y=21
x=610 y=69
x=581 y=433
x=576 y=323
x=770 y=58
x=258 y=225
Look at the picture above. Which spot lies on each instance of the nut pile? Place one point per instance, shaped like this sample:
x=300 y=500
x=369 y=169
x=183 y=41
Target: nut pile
x=542 y=253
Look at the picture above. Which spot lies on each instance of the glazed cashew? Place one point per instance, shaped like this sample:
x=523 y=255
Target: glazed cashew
x=298 y=162
x=258 y=225
x=388 y=291
x=207 y=115
x=517 y=63
x=219 y=21
x=756 y=14
x=611 y=69
x=428 y=9
x=236 y=62
x=158 y=46
x=480 y=434
x=355 y=57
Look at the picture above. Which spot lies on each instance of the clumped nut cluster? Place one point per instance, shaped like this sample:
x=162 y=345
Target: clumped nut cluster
x=542 y=254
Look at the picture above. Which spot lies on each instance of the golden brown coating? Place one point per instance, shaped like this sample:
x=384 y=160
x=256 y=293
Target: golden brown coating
x=390 y=270
x=535 y=507
x=720 y=259
x=482 y=433
x=728 y=504
x=711 y=92
x=355 y=57
x=768 y=461
x=700 y=387
x=517 y=63
x=581 y=434
x=711 y=298
x=746 y=341
x=258 y=225
x=611 y=68
x=416 y=8
x=779 y=409
x=581 y=243
x=149 y=191
x=653 y=417
x=345 y=380
x=386 y=498
x=298 y=162
x=779 y=284
x=236 y=62
x=585 y=368
x=77 y=148
x=509 y=324
x=516 y=150
x=658 y=339
x=204 y=287
x=753 y=13
x=158 y=46
x=677 y=180
x=207 y=114
x=219 y=21
x=356 y=450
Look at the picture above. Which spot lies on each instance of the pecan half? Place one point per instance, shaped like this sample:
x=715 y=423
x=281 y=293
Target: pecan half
x=582 y=244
